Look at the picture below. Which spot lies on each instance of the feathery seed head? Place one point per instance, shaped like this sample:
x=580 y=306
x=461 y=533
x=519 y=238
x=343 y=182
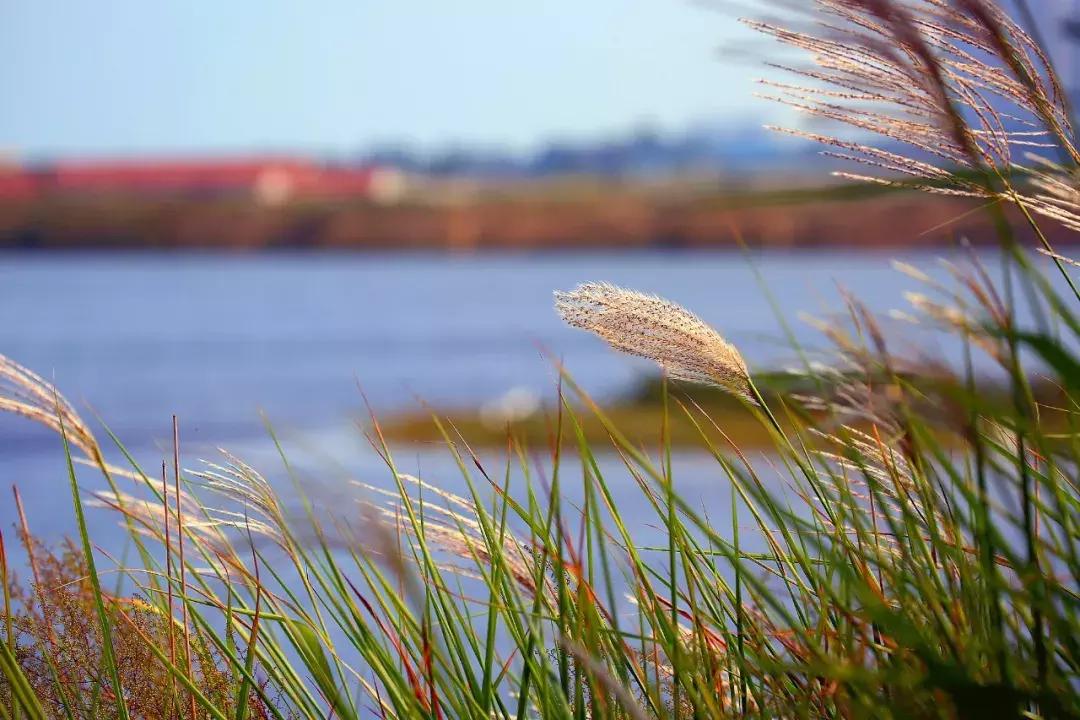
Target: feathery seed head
x=24 y=392
x=946 y=84
x=656 y=329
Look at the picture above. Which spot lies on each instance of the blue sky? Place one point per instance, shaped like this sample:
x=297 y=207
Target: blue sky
x=138 y=76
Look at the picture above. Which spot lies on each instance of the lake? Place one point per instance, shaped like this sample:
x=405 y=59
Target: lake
x=219 y=339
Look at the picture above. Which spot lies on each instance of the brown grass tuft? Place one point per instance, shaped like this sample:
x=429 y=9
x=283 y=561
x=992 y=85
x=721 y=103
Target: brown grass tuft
x=55 y=622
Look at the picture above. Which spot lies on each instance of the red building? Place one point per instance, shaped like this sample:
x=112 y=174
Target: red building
x=266 y=180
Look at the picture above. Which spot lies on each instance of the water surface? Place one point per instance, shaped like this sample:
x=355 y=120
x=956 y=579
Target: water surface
x=218 y=340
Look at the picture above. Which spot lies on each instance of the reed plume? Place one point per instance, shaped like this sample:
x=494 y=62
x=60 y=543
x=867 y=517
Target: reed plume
x=953 y=87
x=28 y=395
x=1056 y=190
x=659 y=330
x=454 y=528
x=24 y=392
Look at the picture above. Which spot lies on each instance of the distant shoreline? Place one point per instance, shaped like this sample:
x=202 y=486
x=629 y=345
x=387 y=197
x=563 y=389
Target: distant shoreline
x=555 y=218
x=225 y=252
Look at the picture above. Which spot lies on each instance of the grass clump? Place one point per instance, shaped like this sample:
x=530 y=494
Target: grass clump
x=900 y=553
x=58 y=646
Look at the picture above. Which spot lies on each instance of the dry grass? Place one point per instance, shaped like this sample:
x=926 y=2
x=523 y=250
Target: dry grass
x=59 y=647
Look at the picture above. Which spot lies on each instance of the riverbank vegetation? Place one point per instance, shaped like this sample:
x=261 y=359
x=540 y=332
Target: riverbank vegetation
x=909 y=549
x=643 y=415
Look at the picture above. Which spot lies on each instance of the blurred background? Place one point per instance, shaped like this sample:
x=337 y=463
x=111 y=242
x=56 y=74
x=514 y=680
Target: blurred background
x=232 y=212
